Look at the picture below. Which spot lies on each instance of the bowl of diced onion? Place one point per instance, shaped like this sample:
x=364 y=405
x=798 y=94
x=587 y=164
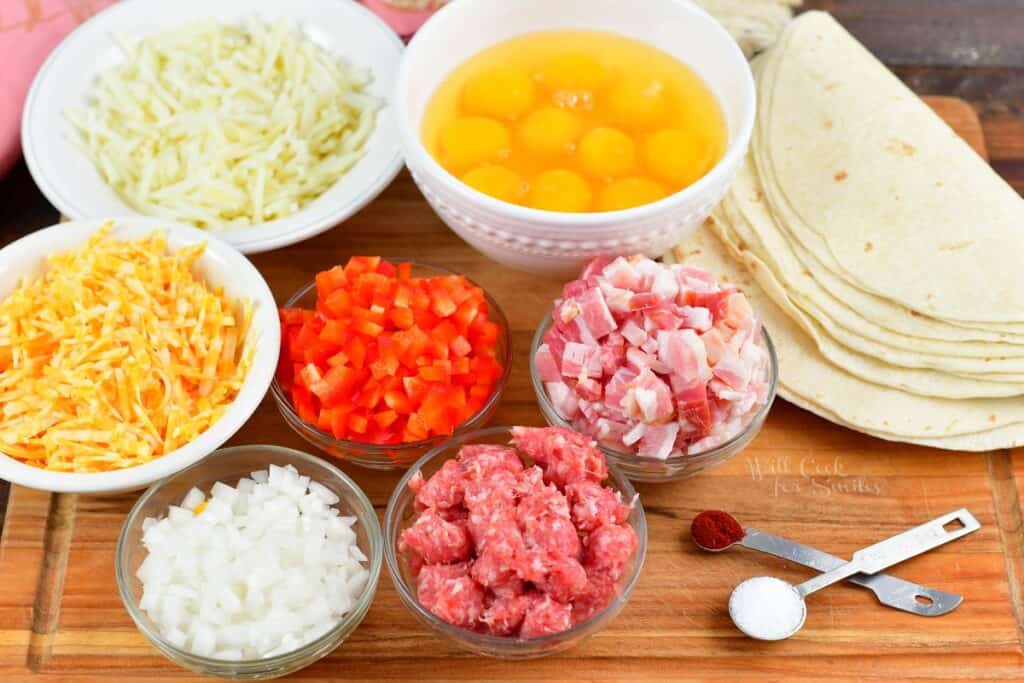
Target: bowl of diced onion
x=252 y=564
x=266 y=122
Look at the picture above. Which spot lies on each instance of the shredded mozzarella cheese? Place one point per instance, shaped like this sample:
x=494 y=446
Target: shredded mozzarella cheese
x=226 y=126
x=116 y=355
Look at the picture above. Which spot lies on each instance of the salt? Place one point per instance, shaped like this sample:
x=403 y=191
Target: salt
x=767 y=608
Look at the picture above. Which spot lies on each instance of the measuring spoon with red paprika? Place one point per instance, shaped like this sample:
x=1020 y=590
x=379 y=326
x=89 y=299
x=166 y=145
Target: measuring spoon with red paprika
x=715 y=531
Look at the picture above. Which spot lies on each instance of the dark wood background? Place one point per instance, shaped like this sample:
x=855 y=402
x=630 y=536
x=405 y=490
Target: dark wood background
x=973 y=49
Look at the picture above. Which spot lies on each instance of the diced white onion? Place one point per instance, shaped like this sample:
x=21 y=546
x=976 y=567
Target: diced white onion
x=263 y=568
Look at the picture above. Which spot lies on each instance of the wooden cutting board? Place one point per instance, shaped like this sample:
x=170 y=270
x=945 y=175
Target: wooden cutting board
x=804 y=478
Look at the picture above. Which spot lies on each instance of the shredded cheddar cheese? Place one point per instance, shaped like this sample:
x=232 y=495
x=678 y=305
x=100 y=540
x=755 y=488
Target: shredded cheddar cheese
x=116 y=355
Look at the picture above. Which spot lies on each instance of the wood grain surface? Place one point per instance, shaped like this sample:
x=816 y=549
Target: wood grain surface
x=60 y=616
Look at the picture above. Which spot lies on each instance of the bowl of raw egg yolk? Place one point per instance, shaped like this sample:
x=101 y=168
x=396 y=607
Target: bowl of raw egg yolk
x=544 y=145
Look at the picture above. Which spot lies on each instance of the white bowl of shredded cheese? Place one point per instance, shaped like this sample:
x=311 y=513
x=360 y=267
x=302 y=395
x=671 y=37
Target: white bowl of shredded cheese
x=138 y=346
x=262 y=121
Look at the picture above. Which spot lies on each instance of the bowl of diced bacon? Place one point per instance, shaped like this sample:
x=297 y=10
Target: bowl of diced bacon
x=515 y=542
x=668 y=370
x=384 y=359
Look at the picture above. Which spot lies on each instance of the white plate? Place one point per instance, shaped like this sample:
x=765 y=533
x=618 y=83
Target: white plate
x=70 y=181
x=220 y=265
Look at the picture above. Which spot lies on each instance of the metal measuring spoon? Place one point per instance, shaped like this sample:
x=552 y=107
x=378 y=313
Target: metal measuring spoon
x=891 y=591
x=748 y=602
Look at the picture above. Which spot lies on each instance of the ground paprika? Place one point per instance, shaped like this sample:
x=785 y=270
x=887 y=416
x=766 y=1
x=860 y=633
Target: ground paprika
x=715 y=530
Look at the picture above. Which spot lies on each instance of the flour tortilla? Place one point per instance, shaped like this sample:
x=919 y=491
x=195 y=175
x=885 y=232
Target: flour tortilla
x=862 y=405
x=906 y=209
x=922 y=381
x=858 y=313
x=813 y=250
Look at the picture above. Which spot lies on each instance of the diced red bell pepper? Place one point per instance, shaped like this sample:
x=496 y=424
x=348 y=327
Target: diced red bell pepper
x=386 y=357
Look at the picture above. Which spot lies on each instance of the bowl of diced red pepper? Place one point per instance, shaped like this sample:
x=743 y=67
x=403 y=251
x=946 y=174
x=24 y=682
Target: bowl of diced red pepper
x=382 y=360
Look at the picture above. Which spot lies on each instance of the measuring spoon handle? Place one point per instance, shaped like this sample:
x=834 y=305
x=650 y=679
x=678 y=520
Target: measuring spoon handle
x=890 y=590
x=897 y=549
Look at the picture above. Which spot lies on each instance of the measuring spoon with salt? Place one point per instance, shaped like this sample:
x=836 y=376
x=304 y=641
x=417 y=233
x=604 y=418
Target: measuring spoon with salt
x=891 y=591
x=768 y=608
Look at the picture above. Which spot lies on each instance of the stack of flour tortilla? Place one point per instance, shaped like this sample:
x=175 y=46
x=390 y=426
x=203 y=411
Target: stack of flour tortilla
x=885 y=257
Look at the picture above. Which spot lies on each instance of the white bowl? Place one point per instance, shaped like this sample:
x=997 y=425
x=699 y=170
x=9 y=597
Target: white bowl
x=553 y=243
x=220 y=265
x=70 y=180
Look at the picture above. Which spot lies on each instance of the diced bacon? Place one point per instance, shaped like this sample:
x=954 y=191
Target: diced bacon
x=547 y=367
x=435 y=539
x=664 y=319
x=608 y=549
x=648 y=399
x=633 y=333
x=715 y=345
x=563 y=399
x=580 y=360
x=696 y=318
x=737 y=311
x=596 y=267
x=645 y=300
x=621 y=274
x=545 y=616
x=595 y=320
x=566 y=455
x=659 y=441
x=610 y=431
x=684 y=353
x=618 y=300
x=664 y=283
x=675 y=322
x=589 y=389
x=732 y=370
x=692 y=405
x=696 y=280
x=635 y=434
x=638 y=360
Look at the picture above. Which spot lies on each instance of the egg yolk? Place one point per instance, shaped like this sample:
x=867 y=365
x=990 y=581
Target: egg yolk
x=472 y=140
x=502 y=92
x=560 y=190
x=607 y=153
x=550 y=130
x=629 y=192
x=497 y=181
x=676 y=156
x=637 y=102
x=573 y=71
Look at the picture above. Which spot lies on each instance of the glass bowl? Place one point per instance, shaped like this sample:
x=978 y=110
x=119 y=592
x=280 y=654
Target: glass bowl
x=395 y=456
x=647 y=469
x=401 y=514
x=229 y=465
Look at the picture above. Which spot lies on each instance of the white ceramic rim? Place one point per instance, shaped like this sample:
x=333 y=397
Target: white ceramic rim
x=418 y=157
x=264 y=364
x=304 y=224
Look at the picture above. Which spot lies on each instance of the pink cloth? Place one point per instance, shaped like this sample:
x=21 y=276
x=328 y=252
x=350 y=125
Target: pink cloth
x=29 y=30
x=404 y=22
